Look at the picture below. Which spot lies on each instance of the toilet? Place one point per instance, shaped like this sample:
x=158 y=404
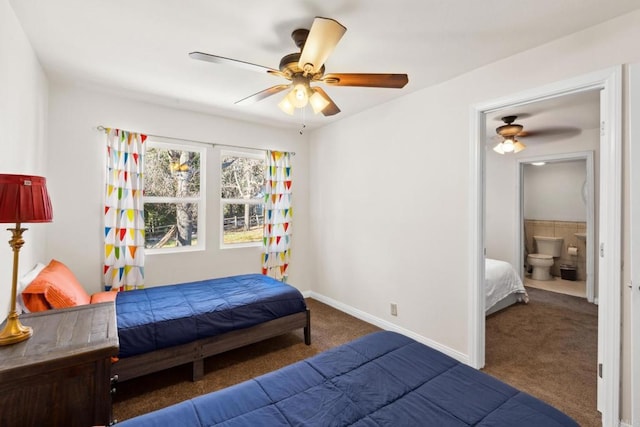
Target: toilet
x=548 y=248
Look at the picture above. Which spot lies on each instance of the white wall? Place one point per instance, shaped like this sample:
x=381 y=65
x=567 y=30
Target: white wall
x=393 y=160
x=554 y=191
x=76 y=181
x=23 y=136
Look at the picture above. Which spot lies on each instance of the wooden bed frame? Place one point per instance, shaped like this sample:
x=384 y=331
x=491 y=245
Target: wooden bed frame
x=195 y=352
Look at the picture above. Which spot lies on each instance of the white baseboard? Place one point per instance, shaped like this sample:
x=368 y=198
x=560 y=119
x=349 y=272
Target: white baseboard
x=383 y=324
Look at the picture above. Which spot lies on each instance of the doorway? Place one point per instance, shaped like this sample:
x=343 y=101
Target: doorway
x=609 y=82
x=569 y=208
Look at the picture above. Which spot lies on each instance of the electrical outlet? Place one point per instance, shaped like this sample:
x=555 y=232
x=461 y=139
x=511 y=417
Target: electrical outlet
x=394 y=309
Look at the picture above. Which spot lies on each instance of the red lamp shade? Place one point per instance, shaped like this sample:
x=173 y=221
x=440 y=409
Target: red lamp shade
x=24 y=198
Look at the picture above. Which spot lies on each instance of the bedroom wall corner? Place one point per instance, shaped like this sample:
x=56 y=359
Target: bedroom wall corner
x=23 y=148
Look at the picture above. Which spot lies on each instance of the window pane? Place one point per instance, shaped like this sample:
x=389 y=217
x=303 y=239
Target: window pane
x=242 y=223
x=168 y=225
x=242 y=177
x=171 y=173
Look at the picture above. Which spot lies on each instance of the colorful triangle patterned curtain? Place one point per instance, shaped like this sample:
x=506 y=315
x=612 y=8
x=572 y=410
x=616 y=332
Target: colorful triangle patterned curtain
x=277 y=215
x=124 y=211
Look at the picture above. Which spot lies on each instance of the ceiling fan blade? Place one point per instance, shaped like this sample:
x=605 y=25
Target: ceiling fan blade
x=557 y=132
x=262 y=94
x=331 y=109
x=395 y=81
x=235 y=62
x=324 y=35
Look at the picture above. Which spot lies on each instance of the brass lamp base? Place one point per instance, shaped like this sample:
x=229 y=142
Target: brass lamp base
x=14 y=332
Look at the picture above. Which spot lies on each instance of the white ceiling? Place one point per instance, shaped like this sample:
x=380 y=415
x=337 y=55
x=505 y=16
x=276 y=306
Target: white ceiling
x=139 y=48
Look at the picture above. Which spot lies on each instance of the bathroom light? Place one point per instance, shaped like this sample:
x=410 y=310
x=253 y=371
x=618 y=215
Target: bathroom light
x=539 y=163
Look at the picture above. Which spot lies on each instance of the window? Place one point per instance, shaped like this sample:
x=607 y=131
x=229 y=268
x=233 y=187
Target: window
x=241 y=198
x=173 y=204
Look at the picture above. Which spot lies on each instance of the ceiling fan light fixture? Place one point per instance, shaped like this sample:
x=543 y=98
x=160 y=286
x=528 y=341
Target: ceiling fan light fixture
x=318 y=101
x=508 y=146
x=286 y=105
x=518 y=146
x=498 y=148
x=299 y=96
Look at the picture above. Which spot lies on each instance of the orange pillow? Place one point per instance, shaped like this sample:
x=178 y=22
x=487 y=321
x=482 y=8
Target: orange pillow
x=35 y=302
x=106 y=296
x=54 y=287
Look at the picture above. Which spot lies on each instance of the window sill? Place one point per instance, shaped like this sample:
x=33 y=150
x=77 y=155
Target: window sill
x=240 y=245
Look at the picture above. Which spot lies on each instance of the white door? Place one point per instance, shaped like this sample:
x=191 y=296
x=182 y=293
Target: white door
x=634 y=134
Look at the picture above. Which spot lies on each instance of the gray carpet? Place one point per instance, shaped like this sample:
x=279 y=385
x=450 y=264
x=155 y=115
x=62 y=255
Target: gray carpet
x=548 y=348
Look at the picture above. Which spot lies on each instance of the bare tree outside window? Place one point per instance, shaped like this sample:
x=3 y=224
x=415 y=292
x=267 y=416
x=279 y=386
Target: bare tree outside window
x=172 y=196
x=242 y=198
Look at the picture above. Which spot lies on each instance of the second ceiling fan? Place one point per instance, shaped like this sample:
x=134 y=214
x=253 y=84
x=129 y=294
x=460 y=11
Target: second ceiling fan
x=306 y=67
x=509 y=131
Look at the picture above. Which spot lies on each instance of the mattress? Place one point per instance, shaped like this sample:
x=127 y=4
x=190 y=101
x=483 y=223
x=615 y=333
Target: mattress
x=382 y=379
x=501 y=280
x=164 y=316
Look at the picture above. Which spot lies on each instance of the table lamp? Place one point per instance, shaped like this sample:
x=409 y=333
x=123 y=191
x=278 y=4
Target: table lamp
x=23 y=199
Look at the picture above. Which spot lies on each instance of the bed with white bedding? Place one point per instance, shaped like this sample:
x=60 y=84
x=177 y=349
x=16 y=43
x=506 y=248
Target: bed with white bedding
x=503 y=286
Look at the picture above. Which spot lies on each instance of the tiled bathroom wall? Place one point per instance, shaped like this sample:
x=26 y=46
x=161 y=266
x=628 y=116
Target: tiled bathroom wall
x=567 y=230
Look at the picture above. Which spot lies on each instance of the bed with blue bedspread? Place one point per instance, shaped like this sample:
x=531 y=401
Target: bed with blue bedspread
x=166 y=326
x=382 y=379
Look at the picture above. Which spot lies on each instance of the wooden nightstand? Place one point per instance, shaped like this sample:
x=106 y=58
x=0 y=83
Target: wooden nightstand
x=61 y=375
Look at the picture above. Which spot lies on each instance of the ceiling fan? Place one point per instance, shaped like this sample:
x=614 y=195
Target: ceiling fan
x=306 y=67
x=509 y=134
x=509 y=131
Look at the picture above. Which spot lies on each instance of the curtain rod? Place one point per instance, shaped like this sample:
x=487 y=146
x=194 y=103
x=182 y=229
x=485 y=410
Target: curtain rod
x=214 y=144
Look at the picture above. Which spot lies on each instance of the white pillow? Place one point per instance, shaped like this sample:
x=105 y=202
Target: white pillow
x=23 y=282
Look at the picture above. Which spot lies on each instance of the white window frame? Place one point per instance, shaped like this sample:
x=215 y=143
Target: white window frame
x=223 y=201
x=183 y=146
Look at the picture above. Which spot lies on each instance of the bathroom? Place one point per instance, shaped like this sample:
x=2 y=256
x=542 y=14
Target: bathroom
x=555 y=205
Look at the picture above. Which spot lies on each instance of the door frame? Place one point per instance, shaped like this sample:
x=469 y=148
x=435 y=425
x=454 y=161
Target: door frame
x=587 y=156
x=634 y=191
x=609 y=81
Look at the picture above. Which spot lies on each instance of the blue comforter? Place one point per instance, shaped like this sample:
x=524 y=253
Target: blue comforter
x=382 y=379
x=164 y=316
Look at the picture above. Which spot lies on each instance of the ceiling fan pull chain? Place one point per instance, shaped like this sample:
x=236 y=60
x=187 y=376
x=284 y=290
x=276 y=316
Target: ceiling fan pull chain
x=303 y=120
